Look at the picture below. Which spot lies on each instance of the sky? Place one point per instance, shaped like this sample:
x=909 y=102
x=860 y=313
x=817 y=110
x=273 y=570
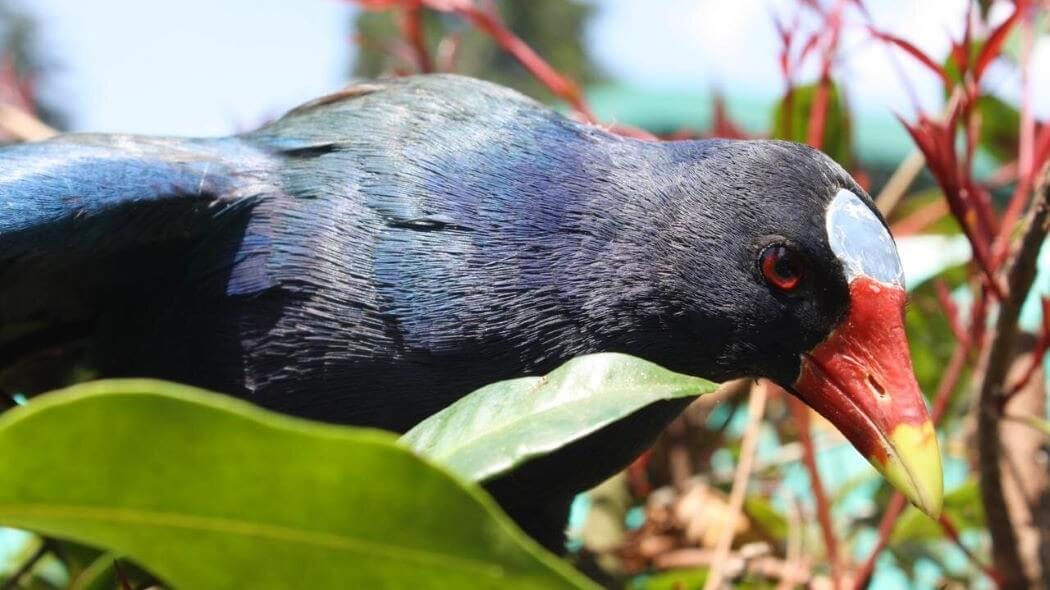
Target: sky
x=210 y=67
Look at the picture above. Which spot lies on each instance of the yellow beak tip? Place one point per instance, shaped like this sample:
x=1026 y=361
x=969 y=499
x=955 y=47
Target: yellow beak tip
x=913 y=466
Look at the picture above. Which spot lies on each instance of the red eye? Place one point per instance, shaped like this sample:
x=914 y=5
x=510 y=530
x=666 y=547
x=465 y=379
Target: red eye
x=781 y=266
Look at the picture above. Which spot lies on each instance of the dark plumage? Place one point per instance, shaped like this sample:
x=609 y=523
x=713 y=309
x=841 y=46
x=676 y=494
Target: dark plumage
x=376 y=254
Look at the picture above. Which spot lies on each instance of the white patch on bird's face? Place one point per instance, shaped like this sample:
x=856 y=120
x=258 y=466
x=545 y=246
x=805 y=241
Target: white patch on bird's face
x=861 y=242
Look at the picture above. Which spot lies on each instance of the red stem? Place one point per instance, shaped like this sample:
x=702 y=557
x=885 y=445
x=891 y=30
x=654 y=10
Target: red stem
x=412 y=31
x=809 y=459
x=952 y=533
x=561 y=86
x=889 y=518
x=1038 y=351
x=951 y=312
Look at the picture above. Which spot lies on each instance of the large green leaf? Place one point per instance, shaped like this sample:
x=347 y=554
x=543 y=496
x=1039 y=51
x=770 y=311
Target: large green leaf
x=210 y=492
x=503 y=425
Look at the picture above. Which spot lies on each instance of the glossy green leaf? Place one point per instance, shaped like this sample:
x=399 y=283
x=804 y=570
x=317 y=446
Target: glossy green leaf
x=210 y=492
x=503 y=425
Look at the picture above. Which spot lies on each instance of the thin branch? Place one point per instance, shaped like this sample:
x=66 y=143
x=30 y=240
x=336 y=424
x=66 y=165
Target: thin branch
x=489 y=22
x=756 y=407
x=1036 y=361
x=1005 y=552
x=952 y=533
x=951 y=311
x=793 y=555
x=1036 y=424
x=951 y=378
x=16 y=578
x=920 y=219
x=23 y=126
x=809 y=459
x=889 y=519
x=897 y=186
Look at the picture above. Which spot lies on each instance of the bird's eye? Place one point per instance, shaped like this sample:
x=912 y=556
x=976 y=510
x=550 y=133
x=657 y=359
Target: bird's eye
x=781 y=266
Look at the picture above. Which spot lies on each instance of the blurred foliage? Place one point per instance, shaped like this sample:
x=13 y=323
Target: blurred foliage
x=554 y=28
x=20 y=43
x=793 y=115
x=929 y=333
x=1000 y=127
x=962 y=506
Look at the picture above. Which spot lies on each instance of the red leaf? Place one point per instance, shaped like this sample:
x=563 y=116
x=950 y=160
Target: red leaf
x=993 y=45
x=722 y=125
x=936 y=140
x=916 y=53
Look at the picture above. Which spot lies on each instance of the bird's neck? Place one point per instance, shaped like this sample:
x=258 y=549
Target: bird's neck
x=604 y=272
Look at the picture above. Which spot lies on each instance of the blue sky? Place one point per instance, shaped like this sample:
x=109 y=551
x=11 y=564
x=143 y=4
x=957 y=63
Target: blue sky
x=209 y=67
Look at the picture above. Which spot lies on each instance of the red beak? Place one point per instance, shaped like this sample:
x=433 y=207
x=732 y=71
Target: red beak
x=860 y=378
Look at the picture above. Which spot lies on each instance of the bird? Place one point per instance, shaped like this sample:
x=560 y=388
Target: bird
x=378 y=253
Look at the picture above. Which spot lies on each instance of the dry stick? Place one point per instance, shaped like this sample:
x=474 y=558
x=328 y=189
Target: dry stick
x=897 y=186
x=756 y=406
x=23 y=126
x=1005 y=554
x=809 y=459
x=794 y=547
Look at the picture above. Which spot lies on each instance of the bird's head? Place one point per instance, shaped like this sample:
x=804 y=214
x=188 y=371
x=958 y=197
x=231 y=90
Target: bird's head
x=808 y=290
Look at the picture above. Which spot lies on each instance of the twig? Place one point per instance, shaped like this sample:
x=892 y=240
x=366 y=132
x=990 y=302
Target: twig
x=897 y=186
x=809 y=459
x=889 y=519
x=920 y=219
x=952 y=533
x=1038 y=352
x=793 y=555
x=1040 y=426
x=756 y=406
x=951 y=311
x=951 y=378
x=1005 y=553
x=23 y=126
x=15 y=580
x=489 y=22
